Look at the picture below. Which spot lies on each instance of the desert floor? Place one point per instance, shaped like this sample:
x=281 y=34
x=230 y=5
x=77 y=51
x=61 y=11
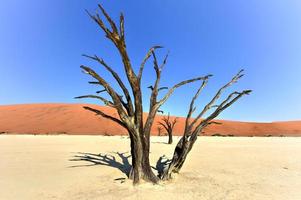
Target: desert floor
x=47 y=167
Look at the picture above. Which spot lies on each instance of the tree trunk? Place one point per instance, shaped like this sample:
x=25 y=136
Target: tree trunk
x=170 y=137
x=148 y=174
x=136 y=152
x=141 y=168
x=180 y=154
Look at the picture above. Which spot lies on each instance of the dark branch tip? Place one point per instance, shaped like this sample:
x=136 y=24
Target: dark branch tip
x=247 y=91
x=90 y=15
x=242 y=70
x=151 y=87
x=157 y=47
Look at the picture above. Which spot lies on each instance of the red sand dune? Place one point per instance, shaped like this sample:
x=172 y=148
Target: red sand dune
x=73 y=119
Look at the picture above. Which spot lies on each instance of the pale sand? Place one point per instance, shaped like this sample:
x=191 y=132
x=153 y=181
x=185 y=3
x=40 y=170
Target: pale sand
x=39 y=167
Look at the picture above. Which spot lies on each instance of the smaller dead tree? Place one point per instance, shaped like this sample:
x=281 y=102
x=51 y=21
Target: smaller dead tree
x=194 y=127
x=168 y=125
x=159 y=128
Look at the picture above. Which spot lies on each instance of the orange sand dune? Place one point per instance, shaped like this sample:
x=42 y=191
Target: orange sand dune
x=73 y=119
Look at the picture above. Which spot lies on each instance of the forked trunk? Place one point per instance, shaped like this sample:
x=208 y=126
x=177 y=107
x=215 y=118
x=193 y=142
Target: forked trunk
x=141 y=169
x=180 y=154
x=128 y=109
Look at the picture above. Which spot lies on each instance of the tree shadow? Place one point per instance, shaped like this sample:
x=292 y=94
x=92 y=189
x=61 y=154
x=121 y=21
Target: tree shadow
x=161 y=164
x=110 y=160
x=104 y=159
x=160 y=142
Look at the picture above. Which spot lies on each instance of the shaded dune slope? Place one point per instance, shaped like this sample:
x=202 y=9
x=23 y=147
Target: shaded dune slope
x=73 y=119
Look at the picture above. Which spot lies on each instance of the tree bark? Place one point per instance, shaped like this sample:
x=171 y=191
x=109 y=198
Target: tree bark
x=130 y=110
x=193 y=129
x=141 y=169
x=170 y=137
x=180 y=154
x=168 y=125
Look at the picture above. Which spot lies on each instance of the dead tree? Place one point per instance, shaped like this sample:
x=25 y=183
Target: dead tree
x=129 y=104
x=159 y=128
x=168 y=125
x=193 y=127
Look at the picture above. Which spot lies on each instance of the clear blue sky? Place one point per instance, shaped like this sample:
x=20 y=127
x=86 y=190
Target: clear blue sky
x=41 y=43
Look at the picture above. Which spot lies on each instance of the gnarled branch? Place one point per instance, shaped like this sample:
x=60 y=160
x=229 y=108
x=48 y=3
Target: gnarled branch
x=148 y=55
x=216 y=97
x=158 y=70
x=128 y=105
x=190 y=136
x=171 y=90
x=105 y=101
x=98 y=112
x=112 y=24
x=192 y=108
x=115 y=97
x=118 y=40
x=233 y=97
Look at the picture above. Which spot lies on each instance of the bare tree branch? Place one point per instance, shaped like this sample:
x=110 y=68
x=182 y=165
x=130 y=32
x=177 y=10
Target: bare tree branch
x=94 y=82
x=217 y=96
x=112 y=24
x=118 y=41
x=150 y=87
x=233 y=97
x=171 y=90
x=161 y=111
x=100 y=91
x=163 y=88
x=190 y=136
x=98 y=112
x=153 y=99
x=121 y=26
x=213 y=122
x=163 y=124
x=153 y=109
x=105 y=101
x=129 y=104
x=115 y=97
x=164 y=61
x=192 y=108
x=148 y=55
x=98 y=20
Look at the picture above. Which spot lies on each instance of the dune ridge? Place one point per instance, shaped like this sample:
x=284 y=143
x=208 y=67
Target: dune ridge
x=74 y=120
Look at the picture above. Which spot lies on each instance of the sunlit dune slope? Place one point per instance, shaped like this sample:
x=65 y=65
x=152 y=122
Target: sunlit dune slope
x=73 y=119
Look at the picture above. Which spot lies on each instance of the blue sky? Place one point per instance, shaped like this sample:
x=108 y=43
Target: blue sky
x=42 y=42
